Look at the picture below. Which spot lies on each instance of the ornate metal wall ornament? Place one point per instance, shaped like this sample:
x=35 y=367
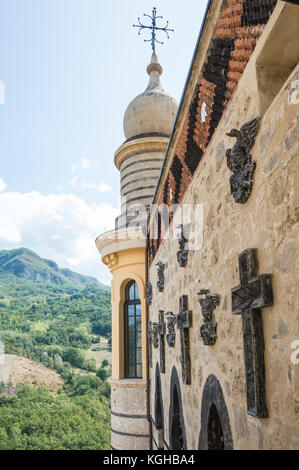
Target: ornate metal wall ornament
x=171 y=322
x=184 y=322
x=182 y=254
x=254 y=293
x=162 y=331
x=160 y=273
x=149 y=293
x=239 y=161
x=208 y=304
x=155 y=335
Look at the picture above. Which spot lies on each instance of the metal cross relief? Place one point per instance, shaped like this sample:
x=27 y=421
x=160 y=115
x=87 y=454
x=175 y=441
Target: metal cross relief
x=184 y=322
x=154 y=28
x=150 y=343
x=253 y=294
x=171 y=321
x=162 y=331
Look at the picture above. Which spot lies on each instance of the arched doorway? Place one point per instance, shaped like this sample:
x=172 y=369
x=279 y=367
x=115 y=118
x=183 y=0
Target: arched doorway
x=159 y=413
x=177 y=434
x=132 y=332
x=177 y=442
x=215 y=433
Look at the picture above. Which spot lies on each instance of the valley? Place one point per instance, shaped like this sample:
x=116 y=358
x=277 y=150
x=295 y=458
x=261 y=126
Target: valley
x=55 y=327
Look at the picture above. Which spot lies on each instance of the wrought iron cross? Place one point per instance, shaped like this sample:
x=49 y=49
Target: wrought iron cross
x=184 y=322
x=171 y=321
x=150 y=343
x=162 y=331
x=154 y=28
x=253 y=294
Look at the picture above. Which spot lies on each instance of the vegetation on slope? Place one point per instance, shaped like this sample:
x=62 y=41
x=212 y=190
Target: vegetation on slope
x=43 y=317
x=77 y=418
x=53 y=315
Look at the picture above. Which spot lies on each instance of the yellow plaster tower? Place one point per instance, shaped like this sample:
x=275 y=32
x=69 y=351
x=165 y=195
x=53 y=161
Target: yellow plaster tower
x=148 y=124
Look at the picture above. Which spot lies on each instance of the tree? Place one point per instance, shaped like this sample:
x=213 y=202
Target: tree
x=44 y=357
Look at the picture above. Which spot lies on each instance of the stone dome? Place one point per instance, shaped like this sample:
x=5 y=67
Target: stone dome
x=151 y=112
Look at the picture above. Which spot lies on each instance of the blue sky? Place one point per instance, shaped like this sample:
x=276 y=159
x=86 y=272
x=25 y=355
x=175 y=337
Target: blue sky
x=69 y=69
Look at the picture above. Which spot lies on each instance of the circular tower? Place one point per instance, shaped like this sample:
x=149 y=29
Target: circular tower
x=148 y=123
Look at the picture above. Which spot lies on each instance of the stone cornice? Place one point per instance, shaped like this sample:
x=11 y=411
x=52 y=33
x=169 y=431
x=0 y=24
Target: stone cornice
x=109 y=243
x=144 y=144
x=127 y=383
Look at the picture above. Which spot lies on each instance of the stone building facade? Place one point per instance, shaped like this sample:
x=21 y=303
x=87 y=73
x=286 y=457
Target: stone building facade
x=221 y=323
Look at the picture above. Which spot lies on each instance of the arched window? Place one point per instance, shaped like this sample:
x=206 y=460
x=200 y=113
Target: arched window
x=133 y=340
x=176 y=429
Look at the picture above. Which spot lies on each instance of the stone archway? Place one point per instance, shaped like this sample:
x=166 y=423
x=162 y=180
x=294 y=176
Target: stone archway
x=158 y=409
x=177 y=433
x=215 y=433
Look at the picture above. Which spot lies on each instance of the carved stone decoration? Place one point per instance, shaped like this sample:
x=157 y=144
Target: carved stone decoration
x=149 y=293
x=160 y=273
x=239 y=161
x=254 y=293
x=162 y=331
x=184 y=322
x=182 y=254
x=170 y=337
x=208 y=304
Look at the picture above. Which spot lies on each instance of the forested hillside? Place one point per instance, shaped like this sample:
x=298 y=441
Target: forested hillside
x=53 y=316
x=46 y=312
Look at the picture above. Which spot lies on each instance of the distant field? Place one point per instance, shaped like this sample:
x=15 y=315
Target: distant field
x=99 y=356
x=30 y=372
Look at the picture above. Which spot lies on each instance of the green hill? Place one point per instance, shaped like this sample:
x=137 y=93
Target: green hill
x=53 y=315
x=44 y=307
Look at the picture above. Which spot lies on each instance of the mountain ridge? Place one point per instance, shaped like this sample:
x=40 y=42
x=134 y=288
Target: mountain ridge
x=22 y=264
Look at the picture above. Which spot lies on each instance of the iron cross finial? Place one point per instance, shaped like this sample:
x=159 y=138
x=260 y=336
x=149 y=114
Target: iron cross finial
x=154 y=28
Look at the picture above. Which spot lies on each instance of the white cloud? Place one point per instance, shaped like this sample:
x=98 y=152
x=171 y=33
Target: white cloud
x=85 y=164
x=74 y=181
x=86 y=185
x=60 y=227
x=2 y=185
x=101 y=188
x=104 y=187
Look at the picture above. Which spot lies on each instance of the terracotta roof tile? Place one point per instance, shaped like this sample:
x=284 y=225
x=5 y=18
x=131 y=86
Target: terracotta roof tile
x=240 y=24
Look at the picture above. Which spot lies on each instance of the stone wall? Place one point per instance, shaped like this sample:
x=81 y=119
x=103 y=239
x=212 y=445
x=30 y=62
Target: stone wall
x=236 y=31
x=267 y=222
x=129 y=425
